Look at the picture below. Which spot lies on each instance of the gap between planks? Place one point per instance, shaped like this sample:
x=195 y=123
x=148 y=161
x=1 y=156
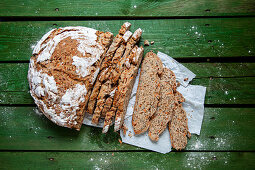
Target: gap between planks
x=242 y=59
x=8 y=150
x=205 y=105
x=97 y=18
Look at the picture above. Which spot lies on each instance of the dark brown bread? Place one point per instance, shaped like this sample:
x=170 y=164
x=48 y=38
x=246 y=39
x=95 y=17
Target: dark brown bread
x=166 y=105
x=147 y=97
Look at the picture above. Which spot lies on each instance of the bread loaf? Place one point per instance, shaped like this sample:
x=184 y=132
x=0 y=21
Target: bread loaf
x=62 y=71
x=166 y=105
x=148 y=92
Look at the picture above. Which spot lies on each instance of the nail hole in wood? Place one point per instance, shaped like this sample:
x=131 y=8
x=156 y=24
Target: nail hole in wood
x=57 y=9
x=211 y=137
x=207 y=25
x=214 y=158
x=209 y=41
x=212 y=118
x=207 y=10
x=51 y=159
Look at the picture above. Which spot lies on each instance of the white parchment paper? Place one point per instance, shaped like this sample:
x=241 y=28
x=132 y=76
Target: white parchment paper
x=194 y=106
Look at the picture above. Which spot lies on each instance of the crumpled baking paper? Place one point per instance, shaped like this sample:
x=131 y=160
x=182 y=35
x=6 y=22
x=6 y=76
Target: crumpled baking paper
x=194 y=106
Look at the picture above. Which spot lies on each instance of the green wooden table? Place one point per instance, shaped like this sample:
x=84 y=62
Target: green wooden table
x=213 y=38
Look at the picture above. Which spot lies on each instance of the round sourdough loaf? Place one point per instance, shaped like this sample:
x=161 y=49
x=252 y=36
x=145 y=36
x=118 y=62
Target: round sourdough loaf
x=62 y=70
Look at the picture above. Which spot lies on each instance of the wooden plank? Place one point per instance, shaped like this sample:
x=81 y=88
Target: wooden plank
x=13 y=76
x=219 y=90
x=14 y=85
x=182 y=38
x=22 y=129
x=120 y=8
x=228 y=90
x=127 y=160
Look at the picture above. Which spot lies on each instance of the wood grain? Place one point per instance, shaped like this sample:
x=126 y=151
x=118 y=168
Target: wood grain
x=128 y=160
x=23 y=129
x=219 y=91
x=124 y=8
x=13 y=76
x=182 y=38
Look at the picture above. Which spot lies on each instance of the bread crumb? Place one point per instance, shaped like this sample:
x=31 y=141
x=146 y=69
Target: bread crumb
x=186 y=79
x=178 y=84
x=146 y=43
x=129 y=134
x=152 y=42
x=120 y=141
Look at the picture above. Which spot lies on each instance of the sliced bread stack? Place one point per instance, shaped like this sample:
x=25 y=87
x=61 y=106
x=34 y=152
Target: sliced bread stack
x=158 y=104
x=114 y=84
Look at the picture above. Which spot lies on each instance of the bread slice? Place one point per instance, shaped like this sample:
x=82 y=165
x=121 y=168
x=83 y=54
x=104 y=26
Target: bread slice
x=148 y=91
x=104 y=66
x=166 y=105
x=178 y=128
